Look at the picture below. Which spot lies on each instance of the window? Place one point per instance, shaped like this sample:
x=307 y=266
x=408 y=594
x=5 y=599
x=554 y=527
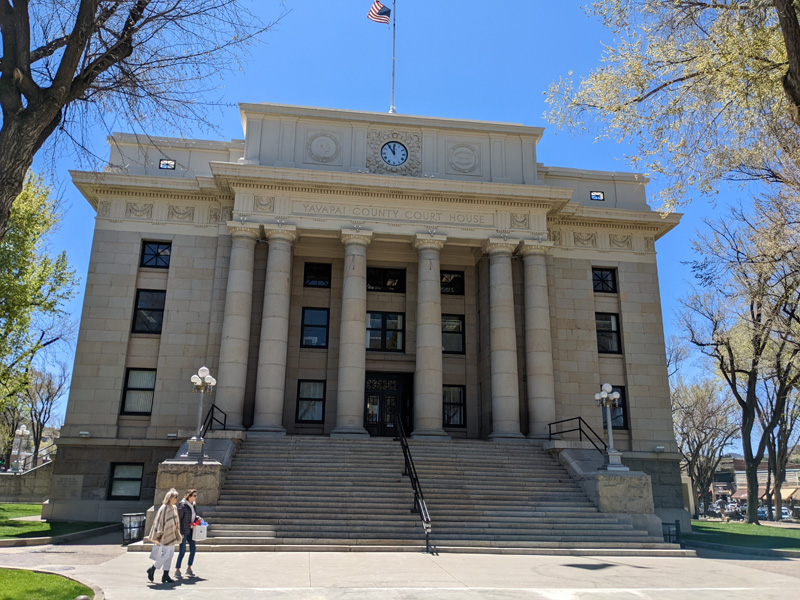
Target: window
x=453 y=283
x=386 y=280
x=597 y=196
x=149 y=314
x=317 y=275
x=315 y=328
x=453 y=334
x=385 y=331
x=608 y=340
x=166 y=164
x=310 y=401
x=156 y=255
x=140 y=385
x=604 y=280
x=619 y=413
x=125 y=481
x=454 y=405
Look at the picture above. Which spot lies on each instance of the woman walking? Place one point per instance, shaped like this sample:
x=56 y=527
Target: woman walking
x=187 y=514
x=165 y=534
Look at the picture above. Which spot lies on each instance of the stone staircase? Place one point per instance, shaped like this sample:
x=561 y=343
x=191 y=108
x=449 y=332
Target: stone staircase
x=308 y=493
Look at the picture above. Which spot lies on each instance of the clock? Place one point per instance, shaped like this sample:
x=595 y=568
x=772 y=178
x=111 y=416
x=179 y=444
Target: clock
x=394 y=153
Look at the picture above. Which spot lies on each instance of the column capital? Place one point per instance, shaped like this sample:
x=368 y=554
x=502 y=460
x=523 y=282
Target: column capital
x=528 y=247
x=424 y=241
x=498 y=245
x=355 y=236
x=286 y=233
x=251 y=231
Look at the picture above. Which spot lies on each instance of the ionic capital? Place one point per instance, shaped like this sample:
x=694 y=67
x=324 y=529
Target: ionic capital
x=243 y=230
x=355 y=236
x=499 y=245
x=425 y=241
x=278 y=233
x=533 y=247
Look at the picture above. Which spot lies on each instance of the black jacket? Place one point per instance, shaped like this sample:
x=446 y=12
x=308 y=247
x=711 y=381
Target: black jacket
x=185 y=516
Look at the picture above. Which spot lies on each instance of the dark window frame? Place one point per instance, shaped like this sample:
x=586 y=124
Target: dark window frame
x=384 y=275
x=609 y=333
x=622 y=407
x=453 y=287
x=462 y=403
x=111 y=479
x=327 y=327
x=600 y=280
x=462 y=334
x=137 y=309
x=383 y=329
x=156 y=256
x=126 y=389
x=300 y=383
x=317 y=275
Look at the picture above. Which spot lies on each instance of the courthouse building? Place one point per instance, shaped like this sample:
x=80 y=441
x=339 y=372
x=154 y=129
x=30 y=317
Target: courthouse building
x=337 y=268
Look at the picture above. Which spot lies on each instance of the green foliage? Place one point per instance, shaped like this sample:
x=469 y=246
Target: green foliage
x=33 y=285
x=696 y=86
x=746 y=535
x=27 y=585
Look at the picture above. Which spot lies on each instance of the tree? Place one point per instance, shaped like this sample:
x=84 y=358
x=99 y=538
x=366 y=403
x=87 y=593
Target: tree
x=780 y=442
x=707 y=90
x=705 y=422
x=33 y=288
x=39 y=400
x=10 y=420
x=69 y=63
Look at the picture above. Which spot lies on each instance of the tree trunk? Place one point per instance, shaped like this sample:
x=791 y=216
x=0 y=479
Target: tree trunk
x=787 y=17
x=750 y=465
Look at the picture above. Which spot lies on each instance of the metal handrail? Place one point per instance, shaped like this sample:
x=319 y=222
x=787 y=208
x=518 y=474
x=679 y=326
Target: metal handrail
x=22 y=466
x=419 y=498
x=601 y=447
x=208 y=422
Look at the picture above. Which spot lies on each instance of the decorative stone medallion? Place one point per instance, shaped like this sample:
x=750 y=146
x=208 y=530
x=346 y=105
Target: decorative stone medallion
x=520 y=221
x=412 y=141
x=587 y=240
x=226 y=214
x=263 y=204
x=323 y=148
x=139 y=211
x=180 y=213
x=464 y=159
x=103 y=208
x=213 y=215
x=649 y=244
x=555 y=235
x=623 y=242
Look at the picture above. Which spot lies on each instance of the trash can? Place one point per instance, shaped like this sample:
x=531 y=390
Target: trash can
x=132 y=527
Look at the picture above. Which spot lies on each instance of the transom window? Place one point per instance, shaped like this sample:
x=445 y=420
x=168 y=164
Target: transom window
x=453 y=334
x=149 y=314
x=155 y=255
x=386 y=280
x=317 y=275
x=125 y=481
x=310 y=401
x=453 y=283
x=604 y=280
x=140 y=385
x=454 y=405
x=386 y=331
x=619 y=413
x=608 y=338
x=315 y=328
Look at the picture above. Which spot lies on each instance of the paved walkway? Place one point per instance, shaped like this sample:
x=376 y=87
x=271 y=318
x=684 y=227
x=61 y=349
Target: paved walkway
x=405 y=576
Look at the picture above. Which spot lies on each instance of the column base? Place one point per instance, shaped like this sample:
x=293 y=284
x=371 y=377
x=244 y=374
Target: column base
x=507 y=436
x=350 y=433
x=275 y=430
x=436 y=435
x=614 y=462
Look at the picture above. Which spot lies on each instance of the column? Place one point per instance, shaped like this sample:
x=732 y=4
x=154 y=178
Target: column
x=271 y=377
x=538 y=342
x=503 y=341
x=353 y=336
x=428 y=374
x=235 y=343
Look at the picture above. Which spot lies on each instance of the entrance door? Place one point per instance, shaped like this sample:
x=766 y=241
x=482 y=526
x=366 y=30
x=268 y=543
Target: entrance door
x=387 y=394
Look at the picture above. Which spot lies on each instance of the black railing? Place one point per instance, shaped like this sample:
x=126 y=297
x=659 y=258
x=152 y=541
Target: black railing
x=583 y=429
x=31 y=462
x=419 y=498
x=211 y=418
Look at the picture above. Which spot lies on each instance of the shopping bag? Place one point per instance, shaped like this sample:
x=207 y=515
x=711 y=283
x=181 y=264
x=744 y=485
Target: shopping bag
x=155 y=553
x=199 y=532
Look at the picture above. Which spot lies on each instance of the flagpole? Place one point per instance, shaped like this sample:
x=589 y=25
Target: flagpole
x=392 y=108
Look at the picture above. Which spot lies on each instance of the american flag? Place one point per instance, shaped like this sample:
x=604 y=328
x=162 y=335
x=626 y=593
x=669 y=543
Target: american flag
x=379 y=13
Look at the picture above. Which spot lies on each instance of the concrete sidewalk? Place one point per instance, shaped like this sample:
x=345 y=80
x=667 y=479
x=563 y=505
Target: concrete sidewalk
x=401 y=576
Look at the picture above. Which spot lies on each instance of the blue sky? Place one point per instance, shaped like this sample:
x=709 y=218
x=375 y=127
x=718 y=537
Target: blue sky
x=472 y=60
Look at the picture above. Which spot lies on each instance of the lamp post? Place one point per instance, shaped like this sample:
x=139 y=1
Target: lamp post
x=203 y=382
x=607 y=398
x=19 y=434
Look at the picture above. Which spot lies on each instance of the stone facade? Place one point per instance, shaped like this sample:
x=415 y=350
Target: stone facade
x=243 y=221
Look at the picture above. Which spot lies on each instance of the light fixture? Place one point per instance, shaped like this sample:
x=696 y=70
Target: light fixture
x=172 y=436
x=608 y=398
x=84 y=434
x=659 y=449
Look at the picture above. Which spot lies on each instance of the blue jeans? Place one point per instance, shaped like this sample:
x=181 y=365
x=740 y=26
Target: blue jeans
x=192 y=548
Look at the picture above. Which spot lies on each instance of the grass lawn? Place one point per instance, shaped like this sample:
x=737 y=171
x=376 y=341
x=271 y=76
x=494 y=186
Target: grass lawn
x=27 y=585
x=26 y=529
x=744 y=535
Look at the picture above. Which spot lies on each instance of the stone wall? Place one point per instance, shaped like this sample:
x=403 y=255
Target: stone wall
x=32 y=486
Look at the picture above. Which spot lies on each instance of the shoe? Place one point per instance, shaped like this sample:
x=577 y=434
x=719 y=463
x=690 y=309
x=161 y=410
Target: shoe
x=178 y=574
x=165 y=578
x=151 y=572
x=189 y=572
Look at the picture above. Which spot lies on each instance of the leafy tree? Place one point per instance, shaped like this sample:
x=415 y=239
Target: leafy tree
x=33 y=288
x=67 y=63
x=780 y=442
x=707 y=90
x=40 y=399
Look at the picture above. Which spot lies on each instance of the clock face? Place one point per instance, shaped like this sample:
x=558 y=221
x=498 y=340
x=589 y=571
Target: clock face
x=394 y=154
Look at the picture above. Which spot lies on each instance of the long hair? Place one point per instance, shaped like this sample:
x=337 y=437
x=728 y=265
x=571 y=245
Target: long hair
x=173 y=493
